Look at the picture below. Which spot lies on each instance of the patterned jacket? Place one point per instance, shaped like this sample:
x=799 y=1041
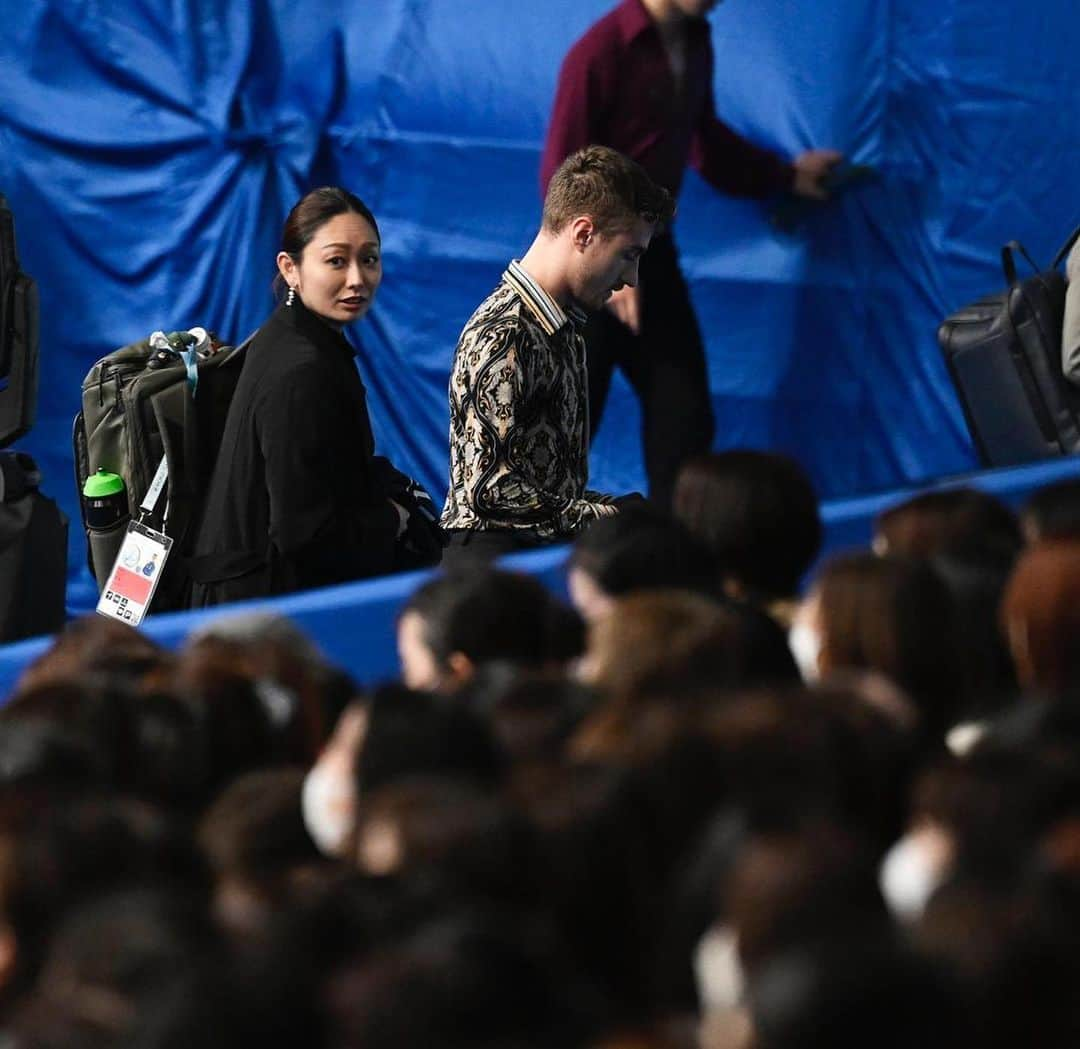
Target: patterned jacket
x=519 y=422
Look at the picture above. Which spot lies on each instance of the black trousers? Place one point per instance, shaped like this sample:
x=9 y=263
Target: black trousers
x=468 y=548
x=665 y=365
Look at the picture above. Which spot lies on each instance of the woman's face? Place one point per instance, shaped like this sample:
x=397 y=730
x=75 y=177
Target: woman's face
x=328 y=797
x=419 y=667
x=805 y=637
x=339 y=271
x=587 y=597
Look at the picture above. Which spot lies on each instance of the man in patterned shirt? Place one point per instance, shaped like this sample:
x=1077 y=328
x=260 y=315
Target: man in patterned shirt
x=519 y=428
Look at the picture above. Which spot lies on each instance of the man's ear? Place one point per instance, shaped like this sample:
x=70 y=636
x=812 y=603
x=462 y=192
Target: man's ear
x=459 y=668
x=582 y=231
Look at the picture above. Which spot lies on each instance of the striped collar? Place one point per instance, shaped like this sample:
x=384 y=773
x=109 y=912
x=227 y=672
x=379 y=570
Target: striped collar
x=550 y=314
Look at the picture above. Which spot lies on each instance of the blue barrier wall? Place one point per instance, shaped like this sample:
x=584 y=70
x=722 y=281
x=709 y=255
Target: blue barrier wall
x=151 y=150
x=354 y=623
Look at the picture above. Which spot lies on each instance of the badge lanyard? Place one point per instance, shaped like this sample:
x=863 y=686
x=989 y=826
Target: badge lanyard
x=137 y=569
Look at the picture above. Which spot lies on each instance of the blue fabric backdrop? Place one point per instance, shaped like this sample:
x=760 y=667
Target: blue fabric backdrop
x=151 y=149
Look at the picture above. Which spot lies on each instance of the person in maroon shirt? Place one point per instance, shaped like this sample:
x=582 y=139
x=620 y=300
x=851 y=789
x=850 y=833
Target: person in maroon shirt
x=640 y=81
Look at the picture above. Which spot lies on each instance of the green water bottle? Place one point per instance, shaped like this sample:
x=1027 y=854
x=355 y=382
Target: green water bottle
x=105 y=506
x=104 y=500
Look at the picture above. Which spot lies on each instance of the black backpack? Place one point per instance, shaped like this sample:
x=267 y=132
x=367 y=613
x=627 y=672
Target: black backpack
x=18 y=338
x=165 y=396
x=1004 y=356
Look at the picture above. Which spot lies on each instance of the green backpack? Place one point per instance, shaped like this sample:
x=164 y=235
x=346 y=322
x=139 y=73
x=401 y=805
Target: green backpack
x=165 y=396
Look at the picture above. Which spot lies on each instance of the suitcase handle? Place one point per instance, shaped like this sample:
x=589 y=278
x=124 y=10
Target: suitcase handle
x=1008 y=263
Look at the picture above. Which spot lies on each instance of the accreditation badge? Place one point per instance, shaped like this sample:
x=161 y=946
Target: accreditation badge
x=135 y=574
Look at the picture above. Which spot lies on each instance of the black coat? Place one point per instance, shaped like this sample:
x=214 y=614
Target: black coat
x=297 y=497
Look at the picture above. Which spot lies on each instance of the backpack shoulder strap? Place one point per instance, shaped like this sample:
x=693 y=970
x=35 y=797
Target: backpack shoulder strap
x=1065 y=248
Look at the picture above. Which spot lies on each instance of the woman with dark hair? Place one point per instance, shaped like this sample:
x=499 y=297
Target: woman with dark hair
x=954 y=522
x=892 y=615
x=298 y=498
x=456 y=623
x=972 y=539
x=1040 y=617
x=757 y=512
x=640 y=548
x=1053 y=511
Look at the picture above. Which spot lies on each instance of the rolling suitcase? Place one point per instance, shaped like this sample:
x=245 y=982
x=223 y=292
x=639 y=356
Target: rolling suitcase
x=33 y=552
x=1004 y=355
x=33 y=531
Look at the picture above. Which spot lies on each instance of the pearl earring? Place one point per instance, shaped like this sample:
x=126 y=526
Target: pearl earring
x=291 y=297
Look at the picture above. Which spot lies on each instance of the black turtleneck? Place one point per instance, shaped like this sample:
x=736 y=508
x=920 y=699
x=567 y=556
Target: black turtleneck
x=295 y=500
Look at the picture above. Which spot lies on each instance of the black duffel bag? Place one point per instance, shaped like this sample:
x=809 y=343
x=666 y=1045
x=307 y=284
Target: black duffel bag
x=19 y=316
x=1004 y=355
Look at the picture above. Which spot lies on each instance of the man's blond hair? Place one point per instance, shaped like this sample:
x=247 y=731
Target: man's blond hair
x=613 y=190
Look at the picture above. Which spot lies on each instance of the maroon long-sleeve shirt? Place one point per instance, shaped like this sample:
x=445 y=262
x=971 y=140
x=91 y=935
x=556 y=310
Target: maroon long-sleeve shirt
x=616 y=89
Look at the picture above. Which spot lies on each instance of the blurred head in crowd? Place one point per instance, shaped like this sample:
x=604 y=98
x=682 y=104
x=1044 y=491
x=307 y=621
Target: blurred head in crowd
x=397 y=735
x=973 y=539
x=976 y=583
x=1040 y=616
x=802 y=890
x=78 y=716
x=258 y=849
x=1053 y=512
x=300 y=688
x=887 y=614
x=785 y=892
x=1010 y=950
x=39 y=755
x=451 y=836
x=640 y=548
x=667 y=641
x=418 y=734
x=455 y=623
x=997 y=815
x=848 y=997
x=774 y=756
x=59 y=851
x=462 y=982
x=949 y=521
x=598 y=866
x=94 y=646
x=757 y=512
x=530 y=715
x=663 y=653
x=144 y=744
x=110 y=965
x=245 y=720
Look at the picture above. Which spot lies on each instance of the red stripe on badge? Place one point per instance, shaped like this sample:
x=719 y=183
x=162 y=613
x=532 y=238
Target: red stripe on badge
x=133 y=587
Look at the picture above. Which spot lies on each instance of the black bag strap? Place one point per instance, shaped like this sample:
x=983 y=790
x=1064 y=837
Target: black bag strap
x=1014 y=247
x=19 y=474
x=1026 y=372
x=1065 y=248
x=9 y=273
x=1008 y=263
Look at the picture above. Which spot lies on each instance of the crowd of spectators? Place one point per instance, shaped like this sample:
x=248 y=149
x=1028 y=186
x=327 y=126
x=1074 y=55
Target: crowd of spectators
x=728 y=800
